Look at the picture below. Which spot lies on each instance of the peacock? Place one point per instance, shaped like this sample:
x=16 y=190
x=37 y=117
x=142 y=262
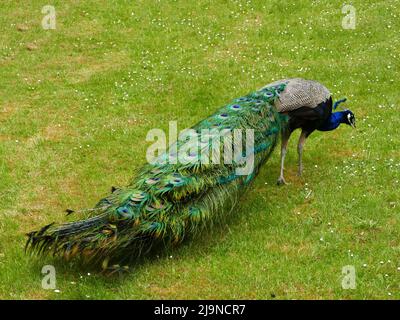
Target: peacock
x=193 y=184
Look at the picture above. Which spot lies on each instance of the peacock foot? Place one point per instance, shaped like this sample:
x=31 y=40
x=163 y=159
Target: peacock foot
x=300 y=173
x=281 y=181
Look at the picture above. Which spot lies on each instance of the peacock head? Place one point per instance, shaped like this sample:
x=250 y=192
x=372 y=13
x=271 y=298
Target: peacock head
x=349 y=118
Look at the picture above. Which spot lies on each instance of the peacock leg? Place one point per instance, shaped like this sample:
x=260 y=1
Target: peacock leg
x=284 y=143
x=302 y=140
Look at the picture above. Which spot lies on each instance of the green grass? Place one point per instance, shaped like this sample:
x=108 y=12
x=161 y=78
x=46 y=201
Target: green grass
x=75 y=110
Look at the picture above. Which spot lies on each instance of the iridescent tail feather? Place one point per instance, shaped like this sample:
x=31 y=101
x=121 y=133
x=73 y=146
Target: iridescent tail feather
x=168 y=201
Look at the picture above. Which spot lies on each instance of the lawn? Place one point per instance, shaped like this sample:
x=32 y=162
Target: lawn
x=77 y=102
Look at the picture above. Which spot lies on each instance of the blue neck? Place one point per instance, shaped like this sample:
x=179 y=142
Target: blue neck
x=333 y=121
